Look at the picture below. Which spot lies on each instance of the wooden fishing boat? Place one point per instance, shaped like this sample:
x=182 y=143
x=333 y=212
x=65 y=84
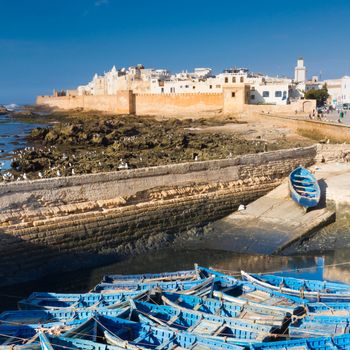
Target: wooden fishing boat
x=154 y=277
x=245 y=311
x=311 y=290
x=213 y=326
x=48 y=342
x=187 y=286
x=60 y=301
x=304 y=188
x=24 y=317
x=18 y=334
x=128 y=334
x=328 y=309
x=320 y=343
x=243 y=291
x=319 y=326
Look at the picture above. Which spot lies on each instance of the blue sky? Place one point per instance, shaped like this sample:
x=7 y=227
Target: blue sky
x=46 y=44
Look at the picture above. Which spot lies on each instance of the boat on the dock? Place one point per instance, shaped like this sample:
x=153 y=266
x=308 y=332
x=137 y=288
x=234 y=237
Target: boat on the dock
x=312 y=290
x=304 y=188
x=132 y=335
x=62 y=301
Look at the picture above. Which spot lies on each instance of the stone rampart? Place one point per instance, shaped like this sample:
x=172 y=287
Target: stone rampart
x=63 y=224
x=176 y=104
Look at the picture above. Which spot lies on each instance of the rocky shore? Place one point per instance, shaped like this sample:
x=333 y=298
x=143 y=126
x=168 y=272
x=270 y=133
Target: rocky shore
x=86 y=142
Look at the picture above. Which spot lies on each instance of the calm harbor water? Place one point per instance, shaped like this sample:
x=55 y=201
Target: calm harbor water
x=332 y=265
x=12 y=137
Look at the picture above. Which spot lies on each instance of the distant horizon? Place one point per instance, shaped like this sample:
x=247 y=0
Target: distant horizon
x=60 y=44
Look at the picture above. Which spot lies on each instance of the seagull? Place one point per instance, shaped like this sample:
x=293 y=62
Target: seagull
x=40 y=174
x=73 y=172
x=58 y=173
x=25 y=176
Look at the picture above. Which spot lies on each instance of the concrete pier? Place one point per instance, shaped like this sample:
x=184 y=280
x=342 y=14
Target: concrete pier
x=273 y=222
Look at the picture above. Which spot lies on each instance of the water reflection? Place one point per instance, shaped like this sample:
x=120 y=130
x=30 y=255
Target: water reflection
x=310 y=266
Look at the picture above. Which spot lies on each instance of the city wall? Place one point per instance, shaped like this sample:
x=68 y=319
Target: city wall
x=233 y=100
x=80 y=221
x=121 y=103
x=175 y=104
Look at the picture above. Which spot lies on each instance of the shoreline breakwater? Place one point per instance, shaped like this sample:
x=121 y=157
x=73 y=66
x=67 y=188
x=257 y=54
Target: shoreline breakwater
x=62 y=224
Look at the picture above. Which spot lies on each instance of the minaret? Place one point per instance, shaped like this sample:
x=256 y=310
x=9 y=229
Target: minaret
x=300 y=71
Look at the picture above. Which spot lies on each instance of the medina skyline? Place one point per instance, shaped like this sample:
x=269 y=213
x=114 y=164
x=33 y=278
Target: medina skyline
x=61 y=43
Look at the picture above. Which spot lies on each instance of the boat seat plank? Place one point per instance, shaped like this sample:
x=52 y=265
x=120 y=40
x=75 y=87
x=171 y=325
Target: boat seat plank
x=206 y=327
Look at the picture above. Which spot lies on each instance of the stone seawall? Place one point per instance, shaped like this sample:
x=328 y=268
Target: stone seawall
x=57 y=225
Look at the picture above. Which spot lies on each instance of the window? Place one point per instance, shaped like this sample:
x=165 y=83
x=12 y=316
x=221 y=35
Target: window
x=233 y=79
x=218 y=86
x=162 y=90
x=241 y=79
x=210 y=86
x=186 y=86
x=194 y=87
x=278 y=93
x=233 y=94
x=252 y=97
x=266 y=94
x=226 y=80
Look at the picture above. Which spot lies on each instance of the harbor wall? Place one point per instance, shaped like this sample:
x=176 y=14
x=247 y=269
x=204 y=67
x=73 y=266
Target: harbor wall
x=62 y=224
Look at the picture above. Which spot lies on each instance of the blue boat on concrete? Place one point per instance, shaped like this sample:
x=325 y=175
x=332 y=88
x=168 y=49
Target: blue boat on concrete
x=245 y=311
x=304 y=188
x=132 y=335
x=312 y=290
x=207 y=325
x=320 y=343
x=62 y=301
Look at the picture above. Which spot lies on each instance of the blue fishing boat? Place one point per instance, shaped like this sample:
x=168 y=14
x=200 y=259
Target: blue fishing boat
x=128 y=334
x=328 y=309
x=320 y=343
x=243 y=310
x=247 y=292
x=311 y=290
x=213 y=326
x=23 y=317
x=304 y=188
x=154 y=277
x=188 y=286
x=59 y=301
x=318 y=326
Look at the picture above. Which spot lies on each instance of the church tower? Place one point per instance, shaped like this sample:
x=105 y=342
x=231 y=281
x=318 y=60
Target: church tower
x=300 y=71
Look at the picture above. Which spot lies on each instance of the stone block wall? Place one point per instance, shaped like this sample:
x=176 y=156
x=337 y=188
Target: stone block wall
x=111 y=215
x=177 y=104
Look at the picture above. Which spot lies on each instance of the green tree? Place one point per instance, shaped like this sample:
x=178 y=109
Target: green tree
x=320 y=95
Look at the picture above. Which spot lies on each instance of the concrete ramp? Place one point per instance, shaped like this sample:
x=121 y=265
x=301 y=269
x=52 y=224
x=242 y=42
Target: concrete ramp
x=271 y=223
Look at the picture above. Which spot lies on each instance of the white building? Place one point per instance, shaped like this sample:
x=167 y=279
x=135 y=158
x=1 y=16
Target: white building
x=339 y=91
x=300 y=71
x=264 y=89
